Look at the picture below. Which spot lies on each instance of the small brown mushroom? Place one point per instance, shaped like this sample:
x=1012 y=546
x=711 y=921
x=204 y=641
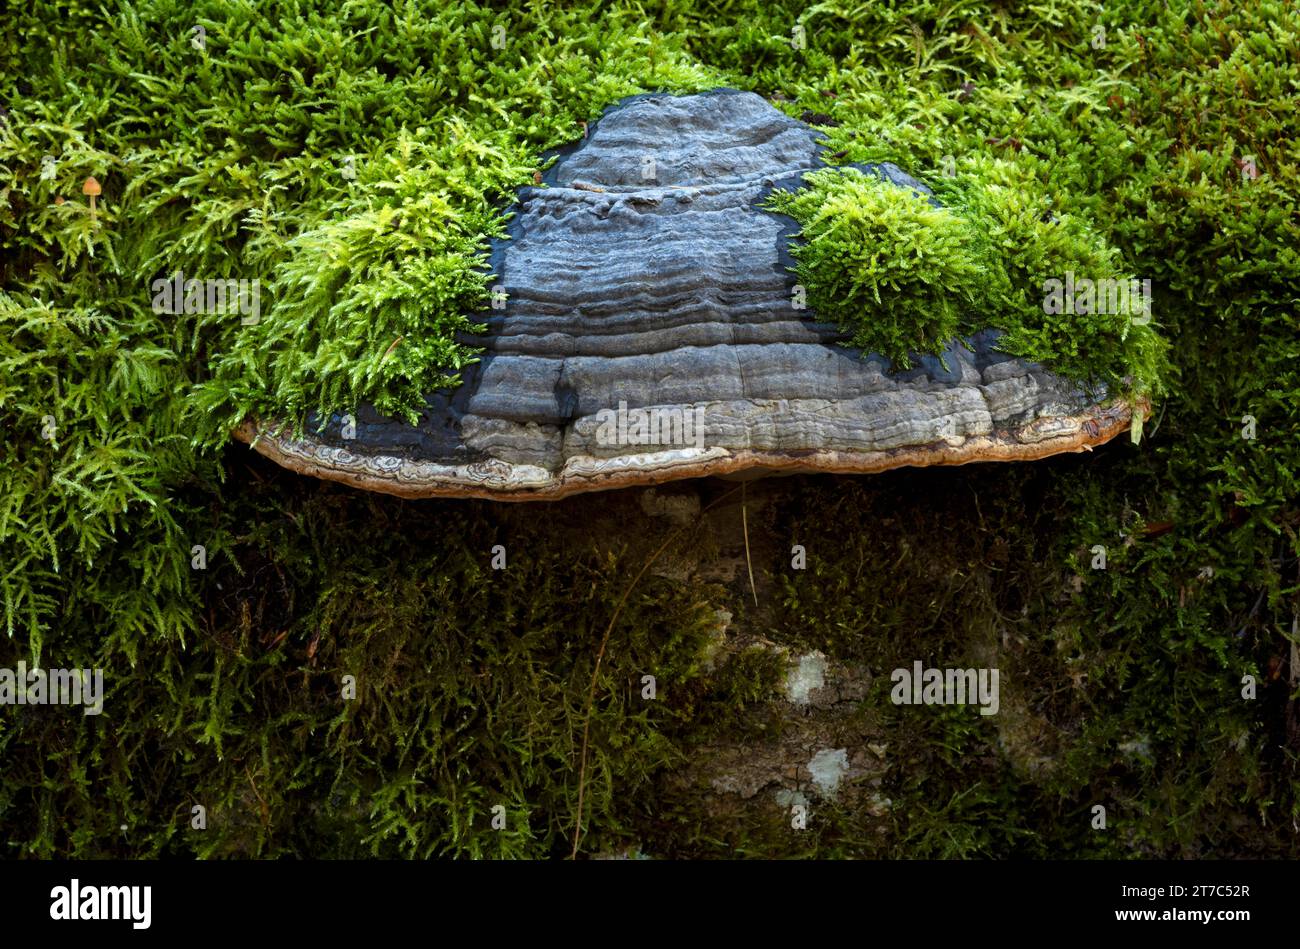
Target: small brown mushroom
x=92 y=190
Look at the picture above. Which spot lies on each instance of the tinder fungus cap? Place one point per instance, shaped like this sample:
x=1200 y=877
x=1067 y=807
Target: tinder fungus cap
x=650 y=328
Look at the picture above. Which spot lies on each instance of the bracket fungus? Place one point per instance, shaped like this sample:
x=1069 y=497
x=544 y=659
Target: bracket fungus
x=648 y=327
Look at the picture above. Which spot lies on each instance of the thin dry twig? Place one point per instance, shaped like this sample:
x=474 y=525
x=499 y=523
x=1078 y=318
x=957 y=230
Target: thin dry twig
x=744 y=524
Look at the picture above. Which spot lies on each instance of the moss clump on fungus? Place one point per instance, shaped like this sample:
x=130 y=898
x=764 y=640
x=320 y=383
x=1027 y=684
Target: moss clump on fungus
x=892 y=270
x=902 y=276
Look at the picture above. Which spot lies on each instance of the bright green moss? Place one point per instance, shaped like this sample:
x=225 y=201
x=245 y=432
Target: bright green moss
x=224 y=684
x=1025 y=245
x=893 y=271
x=355 y=161
x=902 y=276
